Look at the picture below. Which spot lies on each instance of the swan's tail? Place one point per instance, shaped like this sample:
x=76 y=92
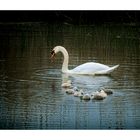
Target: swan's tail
x=107 y=71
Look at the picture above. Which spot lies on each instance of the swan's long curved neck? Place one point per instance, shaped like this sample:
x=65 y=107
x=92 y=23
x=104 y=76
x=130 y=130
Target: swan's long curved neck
x=66 y=60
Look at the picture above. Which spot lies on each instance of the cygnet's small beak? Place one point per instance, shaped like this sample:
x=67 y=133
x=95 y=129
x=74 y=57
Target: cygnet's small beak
x=52 y=54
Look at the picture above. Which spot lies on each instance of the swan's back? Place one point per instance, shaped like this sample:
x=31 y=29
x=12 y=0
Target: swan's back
x=89 y=68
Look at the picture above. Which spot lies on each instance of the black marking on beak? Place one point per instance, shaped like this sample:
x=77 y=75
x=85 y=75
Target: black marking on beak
x=52 y=54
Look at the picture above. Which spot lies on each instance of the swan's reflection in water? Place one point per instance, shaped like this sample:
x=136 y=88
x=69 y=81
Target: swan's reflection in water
x=86 y=82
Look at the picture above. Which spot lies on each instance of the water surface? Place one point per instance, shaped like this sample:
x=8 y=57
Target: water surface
x=31 y=96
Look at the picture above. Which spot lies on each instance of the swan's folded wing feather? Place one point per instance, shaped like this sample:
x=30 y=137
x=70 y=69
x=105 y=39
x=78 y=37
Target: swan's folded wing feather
x=89 y=68
x=107 y=71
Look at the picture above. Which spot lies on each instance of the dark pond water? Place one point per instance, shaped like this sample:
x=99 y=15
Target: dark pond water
x=31 y=96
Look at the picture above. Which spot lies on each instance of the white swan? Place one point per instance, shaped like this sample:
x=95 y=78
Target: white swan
x=89 y=68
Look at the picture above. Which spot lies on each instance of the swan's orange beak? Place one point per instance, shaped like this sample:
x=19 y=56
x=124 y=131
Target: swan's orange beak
x=52 y=55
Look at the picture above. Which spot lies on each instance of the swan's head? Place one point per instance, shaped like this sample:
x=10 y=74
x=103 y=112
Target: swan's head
x=54 y=51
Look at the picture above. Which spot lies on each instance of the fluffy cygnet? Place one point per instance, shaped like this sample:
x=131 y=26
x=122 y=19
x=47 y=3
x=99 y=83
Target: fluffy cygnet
x=78 y=93
x=86 y=96
x=66 y=84
x=70 y=91
x=99 y=95
x=107 y=91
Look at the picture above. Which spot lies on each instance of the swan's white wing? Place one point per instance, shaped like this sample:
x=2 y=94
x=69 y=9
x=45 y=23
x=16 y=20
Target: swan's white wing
x=89 y=68
x=107 y=71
